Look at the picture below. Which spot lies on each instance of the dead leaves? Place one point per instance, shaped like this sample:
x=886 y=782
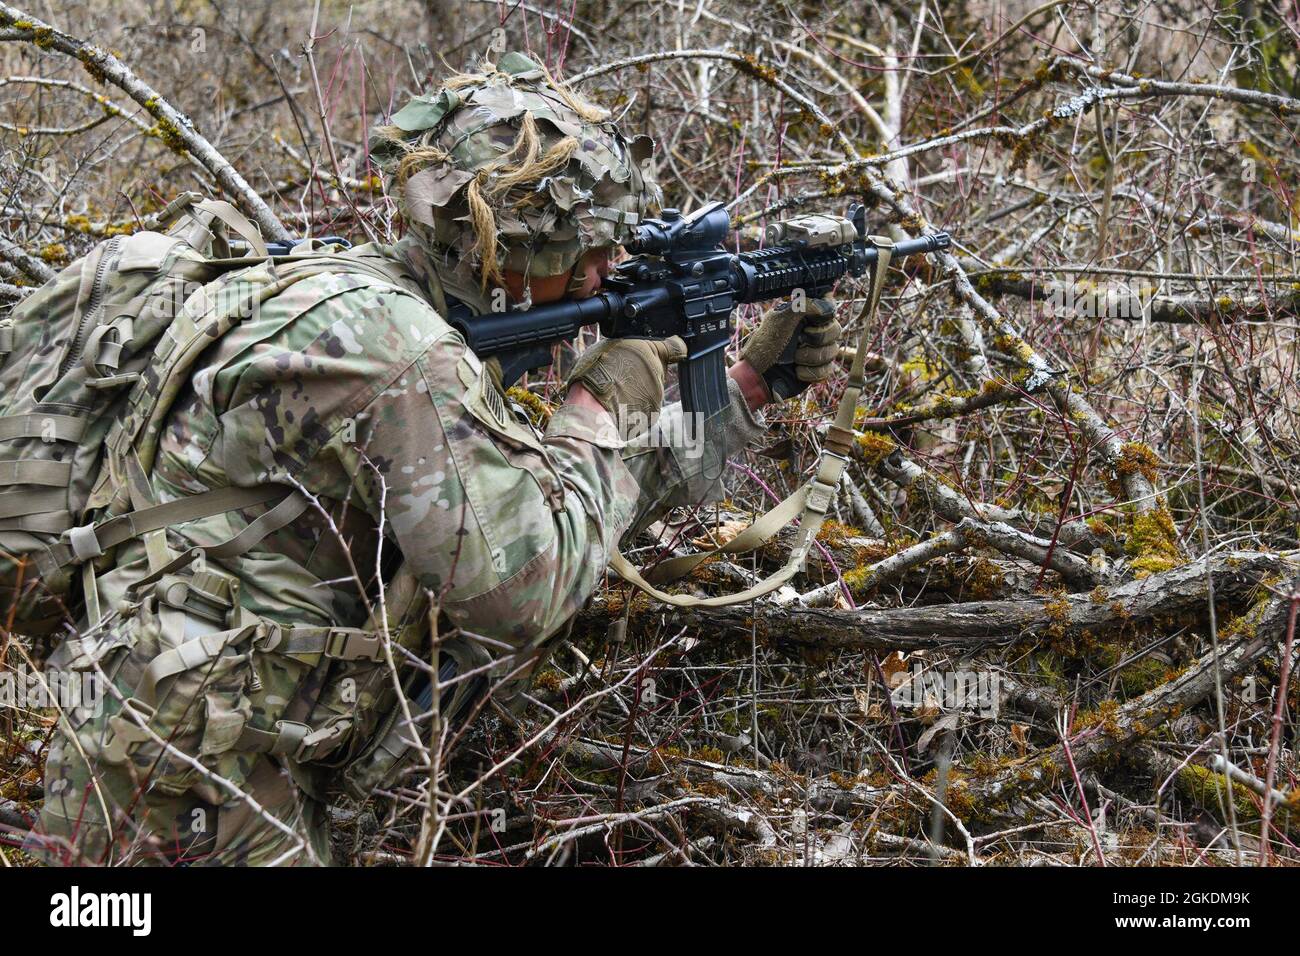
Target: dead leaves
x=719 y=535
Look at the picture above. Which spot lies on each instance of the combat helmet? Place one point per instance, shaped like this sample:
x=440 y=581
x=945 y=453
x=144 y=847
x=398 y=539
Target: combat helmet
x=506 y=169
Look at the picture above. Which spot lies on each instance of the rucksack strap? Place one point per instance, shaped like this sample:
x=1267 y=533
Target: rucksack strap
x=235 y=221
x=810 y=502
x=92 y=540
x=219 y=210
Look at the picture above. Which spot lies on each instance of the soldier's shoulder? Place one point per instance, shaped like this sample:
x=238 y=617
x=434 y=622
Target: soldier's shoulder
x=354 y=310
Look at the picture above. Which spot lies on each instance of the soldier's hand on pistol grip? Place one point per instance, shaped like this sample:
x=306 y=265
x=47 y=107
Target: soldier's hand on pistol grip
x=793 y=350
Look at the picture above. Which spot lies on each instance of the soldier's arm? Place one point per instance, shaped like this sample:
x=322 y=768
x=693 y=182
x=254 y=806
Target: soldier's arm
x=674 y=468
x=513 y=533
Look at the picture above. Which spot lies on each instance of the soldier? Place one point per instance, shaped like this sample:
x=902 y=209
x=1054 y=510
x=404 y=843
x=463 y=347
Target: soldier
x=240 y=698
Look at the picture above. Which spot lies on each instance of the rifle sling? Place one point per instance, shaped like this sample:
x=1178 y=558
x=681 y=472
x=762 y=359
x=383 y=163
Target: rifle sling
x=810 y=502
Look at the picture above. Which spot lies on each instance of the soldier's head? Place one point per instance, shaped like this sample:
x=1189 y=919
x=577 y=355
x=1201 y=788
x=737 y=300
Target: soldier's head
x=515 y=181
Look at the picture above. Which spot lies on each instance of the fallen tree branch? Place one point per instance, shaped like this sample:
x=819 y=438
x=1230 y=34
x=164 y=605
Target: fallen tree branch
x=951 y=504
x=973 y=624
x=1128 y=723
x=25 y=262
x=13 y=293
x=1135 y=306
x=1285 y=105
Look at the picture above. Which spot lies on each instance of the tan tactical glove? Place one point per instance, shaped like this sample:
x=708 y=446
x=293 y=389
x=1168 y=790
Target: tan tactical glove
x=627 y=375
x=792 y=350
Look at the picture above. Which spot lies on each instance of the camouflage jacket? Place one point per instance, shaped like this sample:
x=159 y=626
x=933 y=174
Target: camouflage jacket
x=362 y=395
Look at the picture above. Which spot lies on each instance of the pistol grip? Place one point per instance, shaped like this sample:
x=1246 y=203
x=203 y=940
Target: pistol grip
x=781 y=378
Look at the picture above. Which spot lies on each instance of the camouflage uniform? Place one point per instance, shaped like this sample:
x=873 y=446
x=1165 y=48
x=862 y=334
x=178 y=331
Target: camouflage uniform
x=358 y=392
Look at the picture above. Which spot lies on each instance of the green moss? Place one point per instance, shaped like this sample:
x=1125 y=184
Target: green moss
x=1212 y=791
x=859 y=580
x=169 y=133
x=985 y=580
x=1243 y=626
x=1138 y=458
x=1102 y=716
x=875 y=447
x=1057 y=610
x=1152 y=543
x=842 y=780
x=1142 y=676
x=835 y=534
x=549 y=680
x=1103 y=527
x=921 y=365
x=709 y=755
x=90 y=57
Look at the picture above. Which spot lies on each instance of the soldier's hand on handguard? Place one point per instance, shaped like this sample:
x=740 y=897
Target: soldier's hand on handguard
x=793 y=350
x=626 y=376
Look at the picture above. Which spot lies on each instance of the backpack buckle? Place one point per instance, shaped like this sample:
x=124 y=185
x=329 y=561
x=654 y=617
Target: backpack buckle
x=320 y=742
x=352 y=644
x=826 y=482
x=127 y=731
x=206 y=595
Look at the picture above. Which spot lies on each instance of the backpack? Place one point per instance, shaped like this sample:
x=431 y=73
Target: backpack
x=89 y=367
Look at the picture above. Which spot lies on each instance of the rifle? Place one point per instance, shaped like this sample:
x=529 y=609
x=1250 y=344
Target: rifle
x=680 y=280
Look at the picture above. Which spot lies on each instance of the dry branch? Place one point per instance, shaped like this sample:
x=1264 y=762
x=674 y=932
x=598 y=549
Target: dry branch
x=173 y=127
x=975 y=624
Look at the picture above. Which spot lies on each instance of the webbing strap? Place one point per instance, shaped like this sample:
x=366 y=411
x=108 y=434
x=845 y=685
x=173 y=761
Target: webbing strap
x=47 y=522
x=310 y=643
x=191 y=654
x=752 y=537
x=294 y=740
x=276 y=518
x=812 y=499
x=141 y=493
x=39 y=425
x=15 y=504
x=36 y=471
x=88 y=587
x=236 y=222
x=840 y=437
x=6 y=338
x=134 y=524
x=286 y=740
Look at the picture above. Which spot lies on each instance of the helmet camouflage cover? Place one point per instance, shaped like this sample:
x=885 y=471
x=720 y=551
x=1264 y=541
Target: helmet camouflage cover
x=505 y=169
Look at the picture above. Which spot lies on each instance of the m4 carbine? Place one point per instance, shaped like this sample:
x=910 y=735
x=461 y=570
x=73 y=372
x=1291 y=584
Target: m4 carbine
x=679 y=280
